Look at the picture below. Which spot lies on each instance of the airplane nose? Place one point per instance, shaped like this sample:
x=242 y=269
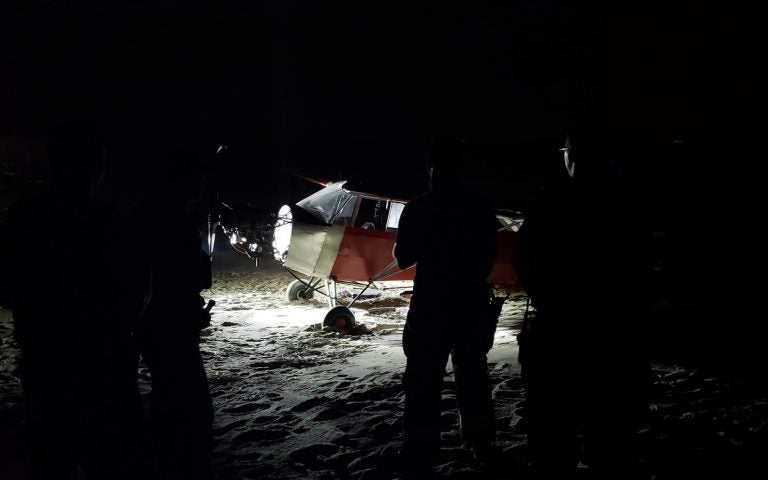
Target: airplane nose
x=282 y=236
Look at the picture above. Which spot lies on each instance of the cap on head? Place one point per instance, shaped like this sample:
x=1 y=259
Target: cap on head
x=589 y=146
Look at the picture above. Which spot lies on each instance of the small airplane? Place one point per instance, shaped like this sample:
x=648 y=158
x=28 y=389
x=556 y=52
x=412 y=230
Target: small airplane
x=338 y=235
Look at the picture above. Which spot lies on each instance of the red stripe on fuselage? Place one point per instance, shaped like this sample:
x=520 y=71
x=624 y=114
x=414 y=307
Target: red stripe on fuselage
x=503 y=274
x=364 y=253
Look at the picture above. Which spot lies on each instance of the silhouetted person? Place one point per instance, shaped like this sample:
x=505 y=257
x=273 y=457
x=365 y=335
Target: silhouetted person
x=76 y=289
x=581 y=258
x=180 y=403
x=450 y=234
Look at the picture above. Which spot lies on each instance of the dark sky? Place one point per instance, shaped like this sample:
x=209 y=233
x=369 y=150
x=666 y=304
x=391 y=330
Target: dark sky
x=356 y=89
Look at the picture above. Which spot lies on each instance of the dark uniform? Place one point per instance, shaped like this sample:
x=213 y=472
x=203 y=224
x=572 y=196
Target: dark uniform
x=180 y=404
x=451 y=237
x=581 y=260
x=76 y=288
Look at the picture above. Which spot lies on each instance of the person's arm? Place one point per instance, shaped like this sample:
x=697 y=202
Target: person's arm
x=489 y=236
x=6 y=253
x=11 y=244
x=406 y=247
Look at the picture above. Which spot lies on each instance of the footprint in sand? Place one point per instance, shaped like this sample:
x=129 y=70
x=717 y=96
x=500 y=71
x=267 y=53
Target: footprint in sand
x=342 y=386
x=309 y=404
x=260 y=435
x=314 y=456
x=230 y=426
x=277 y=420
x=247 y=408
x=332 y=413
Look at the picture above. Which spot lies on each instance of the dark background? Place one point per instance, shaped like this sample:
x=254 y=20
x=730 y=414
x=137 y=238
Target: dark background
x=351 y=90
x=342 y=90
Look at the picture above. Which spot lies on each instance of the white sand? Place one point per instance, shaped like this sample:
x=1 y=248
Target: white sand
x=295 y=401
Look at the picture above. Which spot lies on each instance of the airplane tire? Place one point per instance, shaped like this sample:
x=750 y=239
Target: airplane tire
x=298 y=290
x=339 y=317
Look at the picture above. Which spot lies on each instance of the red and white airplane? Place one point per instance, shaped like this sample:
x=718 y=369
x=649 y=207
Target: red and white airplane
x=337 y=235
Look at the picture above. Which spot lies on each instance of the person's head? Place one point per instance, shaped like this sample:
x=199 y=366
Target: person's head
x=589 y=154
x=184 y=174
x=445 y=162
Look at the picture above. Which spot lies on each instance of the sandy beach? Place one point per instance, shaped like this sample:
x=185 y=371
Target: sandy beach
x=294 y=400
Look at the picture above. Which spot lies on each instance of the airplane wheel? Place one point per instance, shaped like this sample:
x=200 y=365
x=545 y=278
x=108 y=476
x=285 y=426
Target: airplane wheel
x=298 y=290
x=340 y=317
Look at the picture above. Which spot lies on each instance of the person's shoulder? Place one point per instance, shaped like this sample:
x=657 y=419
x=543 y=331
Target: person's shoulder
x=417 y=204
x=483 y=204
x=418 y=200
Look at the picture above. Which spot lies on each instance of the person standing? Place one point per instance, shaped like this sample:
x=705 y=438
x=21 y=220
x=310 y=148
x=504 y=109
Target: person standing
x=181 y=409
x=76 y=289
x=449 y=233
x=581 y=258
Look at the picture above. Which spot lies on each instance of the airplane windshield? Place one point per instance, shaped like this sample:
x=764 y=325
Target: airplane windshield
x=328 y=203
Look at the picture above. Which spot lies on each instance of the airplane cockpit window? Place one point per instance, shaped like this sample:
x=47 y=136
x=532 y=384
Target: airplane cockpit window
x=368 y=211
x=377 y=214
x=395 y=210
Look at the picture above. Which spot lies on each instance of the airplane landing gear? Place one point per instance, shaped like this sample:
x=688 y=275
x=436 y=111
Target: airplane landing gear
x=298 y=290
x=339 y=317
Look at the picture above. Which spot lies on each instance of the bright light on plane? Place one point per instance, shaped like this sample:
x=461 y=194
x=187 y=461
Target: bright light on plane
x=282 y=233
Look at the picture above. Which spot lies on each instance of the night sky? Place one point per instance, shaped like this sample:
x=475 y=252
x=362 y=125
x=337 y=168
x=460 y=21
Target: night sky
x=355 y=91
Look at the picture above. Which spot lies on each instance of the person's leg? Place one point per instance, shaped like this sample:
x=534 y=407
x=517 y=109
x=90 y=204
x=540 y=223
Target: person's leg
x=182 y=411
x=50 y=421
x=616 y=410
x=197 y=428
x=110 y=411
x=427 y=355
x=473 y=392
x=50 y=381
x=551 y=405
